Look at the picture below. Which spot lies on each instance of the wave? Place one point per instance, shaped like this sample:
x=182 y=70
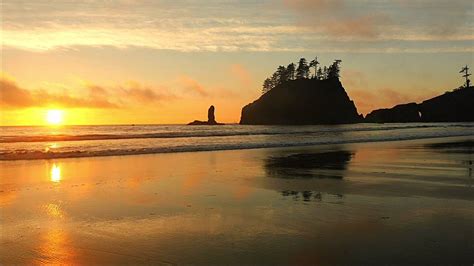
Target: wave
x=34 y=155
x=207 y=133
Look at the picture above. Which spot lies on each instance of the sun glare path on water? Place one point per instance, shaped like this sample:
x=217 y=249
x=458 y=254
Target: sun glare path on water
x=54 y=117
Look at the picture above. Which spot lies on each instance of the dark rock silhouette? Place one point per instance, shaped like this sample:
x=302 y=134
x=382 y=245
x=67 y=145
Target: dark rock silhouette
x=210 y=115
x=455 y=106
x=302 y=102
x=211 y=119
x=399 y=114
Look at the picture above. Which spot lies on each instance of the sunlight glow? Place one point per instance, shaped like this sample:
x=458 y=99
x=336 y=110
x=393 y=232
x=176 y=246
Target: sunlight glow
x=54 y=117
x=55 y=173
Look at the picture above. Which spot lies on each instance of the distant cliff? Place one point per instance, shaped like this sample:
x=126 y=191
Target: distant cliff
x=302 y=102
x=401 y=113
x=455 y=106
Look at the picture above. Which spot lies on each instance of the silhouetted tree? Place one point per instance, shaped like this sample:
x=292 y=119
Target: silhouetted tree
x=319 y=74
x=314 y=63
x=334 y=69
x=275 y=79
x=291 y=69
x=282 y=74
x=466 y=74
x=267 y=85
x=303 y=69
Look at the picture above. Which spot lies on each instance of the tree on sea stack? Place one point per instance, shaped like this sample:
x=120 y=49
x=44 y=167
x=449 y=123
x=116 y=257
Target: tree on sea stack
x=314 y=63
x=267 y=85
x=319 y=74
x=302 y=71
x=275 y=79
x=284 y=74
x=291 y=71
x=465 y=71
x=334 y=69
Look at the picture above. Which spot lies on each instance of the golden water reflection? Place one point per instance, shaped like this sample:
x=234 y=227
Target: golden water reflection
x=55 y=173
x=54 y=210
x=56 y=248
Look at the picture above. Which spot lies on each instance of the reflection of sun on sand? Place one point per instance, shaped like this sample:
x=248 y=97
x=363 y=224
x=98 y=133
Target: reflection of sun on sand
x=55 y=248
x=55 y=244
x=55 y=173
x=54 y=210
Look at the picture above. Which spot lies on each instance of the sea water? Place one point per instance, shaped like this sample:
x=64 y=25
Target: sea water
x=37 y=142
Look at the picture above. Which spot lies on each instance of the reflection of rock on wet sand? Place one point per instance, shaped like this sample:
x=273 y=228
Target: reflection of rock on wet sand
x=466 y=147
x=308 y=195
x=460 y=147
x=308 y=165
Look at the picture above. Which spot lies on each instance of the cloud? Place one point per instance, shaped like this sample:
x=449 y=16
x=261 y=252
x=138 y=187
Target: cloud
x=191 y=85
x=95 y=96
x=314 y=5
x=336 y=18
x=134 y=92
x=411 y=20
x=241 y=73
x=275 y=25
x=440 y=18
x=310 y=8
x=13 y=96
x=363 y=26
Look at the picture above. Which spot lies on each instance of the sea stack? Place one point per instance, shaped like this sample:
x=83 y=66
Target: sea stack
x=211 y=119
x=302 y=102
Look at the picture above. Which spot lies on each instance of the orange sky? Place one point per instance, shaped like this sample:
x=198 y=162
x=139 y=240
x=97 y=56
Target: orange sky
x=134 y=62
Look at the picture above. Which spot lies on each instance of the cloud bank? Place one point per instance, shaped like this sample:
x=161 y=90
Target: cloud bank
x=276 y=25
x=13 y=96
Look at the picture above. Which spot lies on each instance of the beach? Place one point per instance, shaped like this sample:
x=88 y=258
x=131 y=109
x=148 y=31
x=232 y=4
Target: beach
x=409 y=201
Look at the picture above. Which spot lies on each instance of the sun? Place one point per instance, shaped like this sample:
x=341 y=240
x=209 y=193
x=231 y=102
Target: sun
x=54 y=117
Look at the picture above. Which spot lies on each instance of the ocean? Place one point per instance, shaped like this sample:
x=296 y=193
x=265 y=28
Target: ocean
x=38 y=142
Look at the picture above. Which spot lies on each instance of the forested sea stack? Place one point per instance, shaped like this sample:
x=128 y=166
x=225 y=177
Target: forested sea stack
x=299 y=96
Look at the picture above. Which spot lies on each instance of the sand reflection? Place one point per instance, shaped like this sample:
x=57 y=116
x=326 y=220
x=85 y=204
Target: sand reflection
x=55 y=245
x=55 y=175
x=55 y=248
x=54 y=210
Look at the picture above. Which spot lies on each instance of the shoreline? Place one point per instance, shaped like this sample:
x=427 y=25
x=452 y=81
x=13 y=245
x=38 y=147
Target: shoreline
x=296 y=205
x=52 y=156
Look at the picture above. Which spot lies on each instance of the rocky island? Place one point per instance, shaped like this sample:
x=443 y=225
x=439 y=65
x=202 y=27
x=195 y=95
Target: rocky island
x=211 y=119
x=302 y=102
x=295 y=97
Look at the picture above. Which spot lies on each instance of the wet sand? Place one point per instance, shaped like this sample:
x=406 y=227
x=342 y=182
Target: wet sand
x=390 y=202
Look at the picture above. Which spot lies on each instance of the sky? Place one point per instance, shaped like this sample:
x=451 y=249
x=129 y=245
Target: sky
x=166 y=62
